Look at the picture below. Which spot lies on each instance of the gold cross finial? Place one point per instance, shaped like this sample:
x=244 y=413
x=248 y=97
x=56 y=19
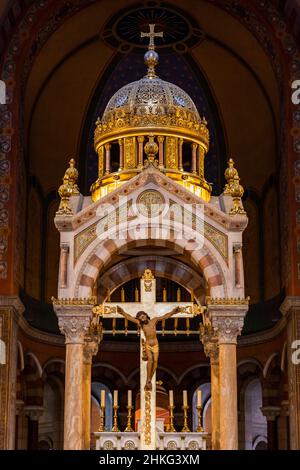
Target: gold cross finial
x=152 y=35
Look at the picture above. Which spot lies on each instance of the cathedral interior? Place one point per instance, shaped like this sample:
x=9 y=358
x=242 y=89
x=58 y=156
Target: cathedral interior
x=70 y=70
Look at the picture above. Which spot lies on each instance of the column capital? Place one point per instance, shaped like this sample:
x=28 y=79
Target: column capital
x=7 y=301
x=285 y=408
x=34 y=412
x=19 y=407
x=90 y=348
x=74 y=318
x=237 y=247
x=209 y=340
x=227 y=318
x=290 y=303
x=270 y=412
x=160 y=139
x=140 y=139
x=65 y=247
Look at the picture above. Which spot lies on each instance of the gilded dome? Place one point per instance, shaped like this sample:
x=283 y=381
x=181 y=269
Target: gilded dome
x=151 y=122
x=150 y=96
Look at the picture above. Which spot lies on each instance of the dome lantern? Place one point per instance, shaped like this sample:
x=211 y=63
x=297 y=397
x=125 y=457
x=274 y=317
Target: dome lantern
x=151 y=106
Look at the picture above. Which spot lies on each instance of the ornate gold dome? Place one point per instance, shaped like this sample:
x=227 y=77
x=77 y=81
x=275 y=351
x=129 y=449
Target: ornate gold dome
x=151 y=107
x=150 y=96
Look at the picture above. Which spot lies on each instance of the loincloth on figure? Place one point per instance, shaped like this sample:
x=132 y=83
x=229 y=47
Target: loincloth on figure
x=145 y=346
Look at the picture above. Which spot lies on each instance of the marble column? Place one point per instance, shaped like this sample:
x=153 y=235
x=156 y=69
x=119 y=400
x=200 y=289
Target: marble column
x=211 y=349
x=140 y=151
x=180 y=144
x=74 y=321
x=90 y=349
x=291 y=309
x=194 y=158
x=215 y=397
x=33 y=414
x=161 y=139
x=238 y=264
x=121 y=146
x=64 y=255
x=227 y=321
x=271 y=413
x=11 y=309
x=107 y=158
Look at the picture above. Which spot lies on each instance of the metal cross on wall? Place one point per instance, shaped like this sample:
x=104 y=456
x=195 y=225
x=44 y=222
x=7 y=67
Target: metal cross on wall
x=152 y=35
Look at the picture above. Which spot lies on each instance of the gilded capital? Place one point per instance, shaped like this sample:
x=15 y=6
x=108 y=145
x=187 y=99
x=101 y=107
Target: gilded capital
x=227 y=317
x=209 y=340
x=90 y=348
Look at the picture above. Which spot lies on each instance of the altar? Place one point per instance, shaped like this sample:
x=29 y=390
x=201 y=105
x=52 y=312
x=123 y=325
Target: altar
x=164 y=440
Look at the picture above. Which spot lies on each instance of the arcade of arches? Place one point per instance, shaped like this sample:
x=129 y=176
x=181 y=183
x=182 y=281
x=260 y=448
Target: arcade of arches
x=233 y=63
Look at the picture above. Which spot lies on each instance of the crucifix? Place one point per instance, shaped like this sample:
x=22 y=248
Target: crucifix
x=154 y=310
x=152 y=35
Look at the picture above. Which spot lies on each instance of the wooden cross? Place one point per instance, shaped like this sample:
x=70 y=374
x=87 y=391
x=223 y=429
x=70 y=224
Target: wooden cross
x=152 y=35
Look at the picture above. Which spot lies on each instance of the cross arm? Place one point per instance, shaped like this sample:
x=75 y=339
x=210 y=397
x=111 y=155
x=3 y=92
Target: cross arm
x=168 y=314
x=122 y=312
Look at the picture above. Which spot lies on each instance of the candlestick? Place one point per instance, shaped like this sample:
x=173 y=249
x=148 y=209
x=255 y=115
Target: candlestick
x=199 y=427
x=199 y=397
x=185 y=418
x=129 y=398
x=115 y=426
x=115 y=397
x=164 y=294
x=171 y=398
x=170 y=426
x=102 y=401
x=129 y=415
x=102 y=419
x=185 y=403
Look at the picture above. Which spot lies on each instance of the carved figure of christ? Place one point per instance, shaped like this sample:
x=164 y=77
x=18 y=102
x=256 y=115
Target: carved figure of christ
x=150 y=344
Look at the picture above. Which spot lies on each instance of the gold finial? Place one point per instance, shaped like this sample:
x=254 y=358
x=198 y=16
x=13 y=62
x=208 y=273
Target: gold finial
x=236 y=192
x=229 y=174
x=234 y=188
x=148 y=274
x=151 y=149
x=68 y=189
x=151 y=57
x=72 y=173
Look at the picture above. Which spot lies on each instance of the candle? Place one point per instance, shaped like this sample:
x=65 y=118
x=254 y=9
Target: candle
x=199 y=398
x=102 y=398
x=129 y=398
x=184 y=398
x=171 y=397
x=115 y=397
